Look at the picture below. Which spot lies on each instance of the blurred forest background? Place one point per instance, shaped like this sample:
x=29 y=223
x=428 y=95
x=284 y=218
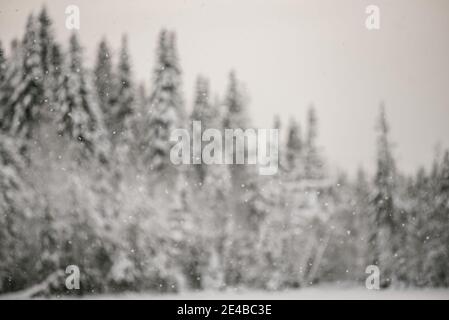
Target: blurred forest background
x=86 y=180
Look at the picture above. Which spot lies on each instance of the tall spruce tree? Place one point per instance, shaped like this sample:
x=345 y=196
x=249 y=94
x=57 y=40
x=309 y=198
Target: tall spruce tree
x=236 y=113
x=46 y=40
x=104 y=81
x=166 y=110
x=27 y=100
x=140 y=119
x=313 y=163
x=202 y=108
x=125 y=118
x=123 y=108
x=294 y=146
x=80 y=117
x=207 y=114
x=385 y=219
x=244 y=221
x=277 y=123
x=9 y=89
x=59 y=70
x=236 y=118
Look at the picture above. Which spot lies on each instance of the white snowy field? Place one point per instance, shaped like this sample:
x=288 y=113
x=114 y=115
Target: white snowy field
x=318 y=293
x=323 y=292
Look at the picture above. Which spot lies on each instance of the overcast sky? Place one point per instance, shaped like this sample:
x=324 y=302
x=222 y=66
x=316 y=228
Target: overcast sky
x=291 y=53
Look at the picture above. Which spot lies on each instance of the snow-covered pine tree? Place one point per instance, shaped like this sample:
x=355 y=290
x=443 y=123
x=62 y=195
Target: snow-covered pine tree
x=140 y=126
x=306 y=207
x=123 y=108
x=313 y=163
x=202 y=109
x=12 y=81
x=385 y=215
x=235 y=102
x=141 y=100
x=210 y=209
x=59 y=70
x=104 y=82
x=294 y=148
x=277 y=123
x=166 y=110
x=236 y=117
x=28 y=98
x=79 y=117
x=291 y=201
x=46 y=40
x=267 y=204
x=164 y=114
x=244 y=221
x=207 y=114
x=293 y=193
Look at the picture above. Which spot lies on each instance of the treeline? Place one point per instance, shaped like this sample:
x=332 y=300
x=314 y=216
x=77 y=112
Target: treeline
x=86 y=180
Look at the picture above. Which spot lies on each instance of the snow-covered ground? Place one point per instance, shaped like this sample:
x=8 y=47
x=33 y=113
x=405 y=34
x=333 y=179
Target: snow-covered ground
x=314 y=293
x=330 y=292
